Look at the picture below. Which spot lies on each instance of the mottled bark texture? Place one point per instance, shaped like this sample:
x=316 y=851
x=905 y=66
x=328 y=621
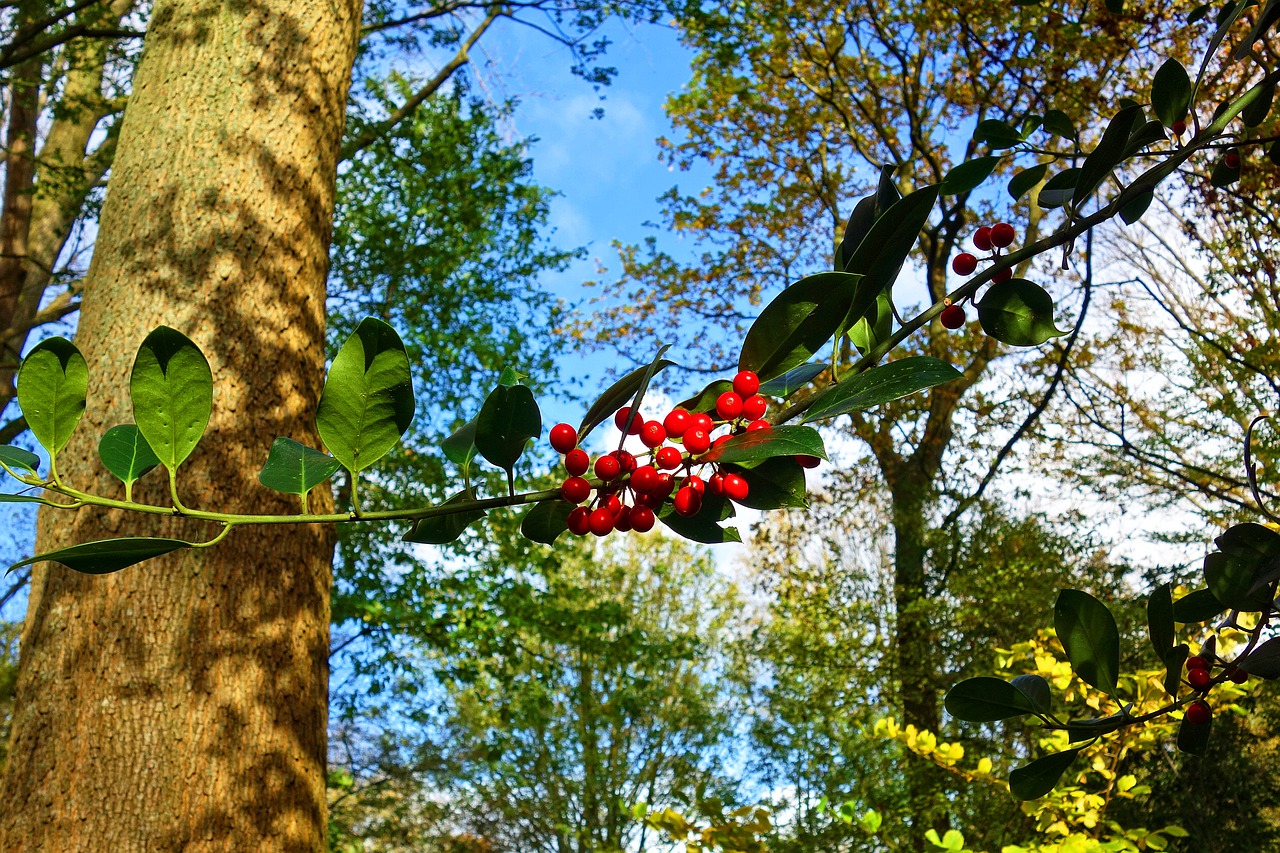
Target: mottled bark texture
x=181 y=704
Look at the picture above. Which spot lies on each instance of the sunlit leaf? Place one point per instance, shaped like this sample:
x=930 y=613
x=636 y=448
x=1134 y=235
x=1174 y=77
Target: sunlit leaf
x=618 y=395
x=52 y=383
x=881 y=385
x=1088 y=634
x=172 y=390
x=767 y=443
x=108 y=555
x=1018 y=312
x=126 y=453
x=791 y=381
x=508 y=420
x=294 y=468
x=799 y=322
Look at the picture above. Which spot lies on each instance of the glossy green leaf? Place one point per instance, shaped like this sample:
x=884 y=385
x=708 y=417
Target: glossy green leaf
x=52 y=383
x=1088 y=729
x=1132 y=210
x=1022 y=182
x=1264 y=661
x=1088 y=634
x=294 y=468
x=968 y=175
x=1143 y=138
x=546 y=521
x=18 y=459
x=172 y=390
x=761 y=444
x=1223 y=175
x=1059 y=189
x=703 y=527
x=1018 y=312
x=705 y=400
x=1259 y=108
x=367 y=402
x=637 y=399
x=1108 y=153
x=108 y=555
x=1160 y=628
x=986 y=700
x=460 y=447
x=616 y=396
x=865 y=213
x=508 y=420
x=1173 y=663
x=881 y=385
x=1198 y=606
x=126 y=453
x=1059 y=123
x=881 y=254
x=6 y=497
x=997 y=134
x=1171 y=92
x=443 y=529
x=876 y=327
x=1036 y=689
x=1193 y=738
x=791 y=381
x=774 y=483
x=1240 y=573
x=799 y=322
x=1032 y=781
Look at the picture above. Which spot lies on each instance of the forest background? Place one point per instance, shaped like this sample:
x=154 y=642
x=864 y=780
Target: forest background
x=495 y=695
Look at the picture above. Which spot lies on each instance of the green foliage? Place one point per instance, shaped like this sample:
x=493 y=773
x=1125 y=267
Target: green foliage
x=881 y=385
x=172 y=391
x=294 y=468
x=127 y=455
x=800 y=320
x=52 y=384
x=108 y=555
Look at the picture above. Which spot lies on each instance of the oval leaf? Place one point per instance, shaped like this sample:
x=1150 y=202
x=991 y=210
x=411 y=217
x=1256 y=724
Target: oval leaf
x=1103 y=159
x=1022 y=182
x=986 y=700
x=18 y=459
x=126 y=453
x=1036 y=689
x=1018 y=312
x=1264 y=661
x=1059 y=124
x=443 y=529
x=773 y=484
x=761 y=444
x=1171 y=93
x=1059 y=189
x=172 y=390
x=798 y=322
x=618 y=395
x=1032 y=781
x=881 y=385
x=294 y=468
x=968 y=175
x=1088 y=634
x=52 y=383
x=1160 y=627
x=460 y=448
x=703 y=527
x=546 y=521
x=1198 y=606
x=507 y=421
x=1193 y=739
x=1173 y=661
x=884 y=250
x=108 y=555
x=997 y=134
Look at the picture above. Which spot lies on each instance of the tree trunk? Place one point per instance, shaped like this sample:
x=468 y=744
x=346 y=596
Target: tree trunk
x=181 y=704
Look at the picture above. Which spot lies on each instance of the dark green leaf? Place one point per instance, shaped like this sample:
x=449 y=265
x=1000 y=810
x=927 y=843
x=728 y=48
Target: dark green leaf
x=18 y=459
x=546 y=521
x=5 y=497
x=1088 y=634
x=1133 y=209
x=1022 y=182
x=460 y=447
x=791 y=381
x=1115 y=7
x=1198 y=606
x=1264 y=661
x=1223 y=175
x=1144 y=137
x=1198 y=12
x=1273 y=153
x=1036 y=689
x=1032 y=781
x=616 y=396
x=1194 y=739
x=884 y=250
x=443 y=529
x=773 y=484
x=108 y=555
x=1018 y=312
x=997 y=134
x=704 y=526
x=1078 y=730
x=1160 y=629
x=1173 y=662
x=985 y=700
x=761 y=444
x=638 y=397
x=705 y=400
x=1265 y=21
x=507 y=421
x=1059 y=189
x=798 y=322
x=968 y=175
x=1245 y=565
x=126 y=453
x=880 y=385
x=1110 y=151
x=864 y=215
x=294 y=468
x=172 y=390
x=1226 y=18
x=1171 y=92
x=1059 y=124
x=52 y=383
x=367 y=402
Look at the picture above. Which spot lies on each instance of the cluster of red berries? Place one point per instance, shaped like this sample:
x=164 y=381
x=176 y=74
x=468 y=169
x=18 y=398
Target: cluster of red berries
x=632 y=489
x=1201 y=679
x=988 y=238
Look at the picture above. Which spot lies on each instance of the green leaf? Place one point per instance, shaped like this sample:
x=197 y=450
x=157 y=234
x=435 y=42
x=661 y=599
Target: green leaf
x=705 y=400
x=758 y=445
x=1032 y=781
x=1018 y=312
x=986 y=700
x=799 y=321
x=969 y=175
x=884 y=250
x=1265 y=20
x=507 y=421
x=616 y=396
x=1198 y=606
x=52 y=383
x=1088 y=634
x=1036 y=689
x=1194 y=739
x=1144 y=137
x=19 y=459
x=294 y=468
x=172 y=391
x=546 y=521
x=1259 y=108
x=1174 y=659
x=1115 y=7
x=704 y=526
x=876 y=327
x=1246 y=565
x=773 y=484
x=1133 y=209
x=1171 y=93
x=1223 y=175
x=997 y=134
x=1160 y=627
x=126 y=453
x=1078 y=730
x=6 y=497
x=367 y=402
x=460 y=447
x=864 y=215
x=881 y=385
x=1226 y=18
x=1264 y=661
x=1059 y=123
x=108 y=555
x=443 y=529
x=1198 y=12
x=791 y=381
x=1059 y=189
x=1022 y=182
x=1107 y=155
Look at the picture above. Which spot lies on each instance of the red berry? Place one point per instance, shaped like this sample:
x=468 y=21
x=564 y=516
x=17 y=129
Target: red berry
x=579 y=521
x=666 y=484
x=716 y=442
x=644 y=479
x=1197 y=662
x=745 y=384
x=697 y=441
x=1002 y=235
x=805 y=461
x=754 y=407
x=1002 y=275
x=613 y=503
x=576 y=462
x=622 y=521
x=607 y=467
x=563 y=438
x=688 y=501
x=1179 y=128
x=735 y=487
x=1199 y=713
x=1199 y=679
x=952 y=317
x=626 y=460
x=964 y=264
x=693 y=481
x=652 y=434
x=620 y=420
x=982 y=238
x=755 y=425
x=668 y=458
x=715 y=484
x=703 y=422
x=676 y=422
x=575 y=490
x=728 y=406
x=1231 y=159
x=601 y=521
x=1238 y=676
x=642 y=519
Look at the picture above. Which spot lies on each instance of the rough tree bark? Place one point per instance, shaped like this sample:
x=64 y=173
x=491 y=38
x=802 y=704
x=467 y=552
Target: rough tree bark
x=181 y=704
